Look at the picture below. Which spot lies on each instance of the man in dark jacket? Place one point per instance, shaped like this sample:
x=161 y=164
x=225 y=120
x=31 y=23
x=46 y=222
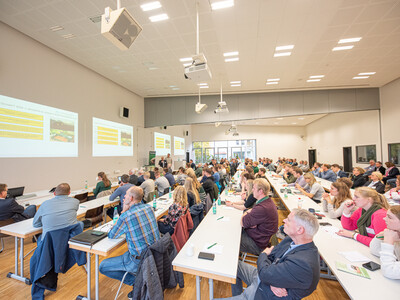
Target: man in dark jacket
x=133 y=179
x=10 y=209
x=208 y=184
x=290 y=270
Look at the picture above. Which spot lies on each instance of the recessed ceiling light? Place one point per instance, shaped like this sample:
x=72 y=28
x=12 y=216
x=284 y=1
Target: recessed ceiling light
x=175 y=88
x=172 y=86
x=68 y=36
x=282 y=54
x=150 y=6
x=288 y=47
x=276 y=123
x=273 y=79
x=352 y=40
x=233 y=53
x=367 y=73
x=313 y=80
x=153 y=68
x=272 y=82
x=279 y=118
x=360 y=77
x=317 y=76
x=158 y=18
x=56 y=28
x=235 y=82
x=231 y=59
x=187 y=64
x=301 y=118
x=185 y=59
x=222 y=4
x=343 y=48
x=202 y=84
x=238 y=84
x=204 y=87
x=294 y=123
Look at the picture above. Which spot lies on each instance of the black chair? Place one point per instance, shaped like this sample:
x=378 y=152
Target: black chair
x=94 y=216
x=82 y=197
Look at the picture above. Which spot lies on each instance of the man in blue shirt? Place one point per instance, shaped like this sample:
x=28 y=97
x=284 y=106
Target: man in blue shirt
x=169 y=176
x=326 y=173
x=120 y=192
x=139 y=225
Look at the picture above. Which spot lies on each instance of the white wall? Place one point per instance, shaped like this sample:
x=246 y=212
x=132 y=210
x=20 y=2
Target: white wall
x=272 y=142
x=390 y=114
x=33 y=72
x=331 y=133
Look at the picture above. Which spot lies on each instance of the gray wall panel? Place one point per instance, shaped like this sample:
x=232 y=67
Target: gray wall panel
x=342 y=100
x=365 y=98
x=162 y=108
x=268 y=105
x=316 y=102
x=249 y=106
x=178 y=111
x=291 y=104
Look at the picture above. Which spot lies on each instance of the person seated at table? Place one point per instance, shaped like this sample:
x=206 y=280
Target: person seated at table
x=167 y=174
x=255 y=167
x=216 y=175
x=358 y=177
x=338 y=171
x=316 y=168
x=368 y=218
x=260 y=222
x=289 y=270
x=326 y=173
x=288 y=175
x=394 y=193
x=298 y=174
x=133 y=178
x=202 y=193
x=199 y=170
x=261 y=173
x=140 y=177
x=391 y=172
x=58 y=212
x=148 y=185
x=380 y=168
x=376 y=183
x=193 y=196
x=313 y=189
x=250 y=170
x=247 y=199
x=161 y=183
x=139 y=225
x=208 y=184
x=347 y=181
x=103 y=184
x=386 y=244
x=341 y=196
x=221 y=170
x=178 y=209
x=371 y=168
x=120 y=192
x=181 y=176
x=10 y=209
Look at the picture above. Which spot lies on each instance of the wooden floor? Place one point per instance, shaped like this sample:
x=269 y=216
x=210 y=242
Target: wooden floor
x=73 y=283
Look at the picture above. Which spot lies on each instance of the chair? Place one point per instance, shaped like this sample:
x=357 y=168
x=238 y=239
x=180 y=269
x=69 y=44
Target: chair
x=82 y=197
x=104 y=193
x=182 y=230
x=150 y=196
x=209 y=203
x=273 y=241
x=2 y=235
x=95 y=216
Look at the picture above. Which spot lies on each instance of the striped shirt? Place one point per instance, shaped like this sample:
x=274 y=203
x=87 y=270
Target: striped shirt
x=140 y=227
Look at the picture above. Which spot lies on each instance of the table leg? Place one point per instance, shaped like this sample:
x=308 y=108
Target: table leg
x=16 y=255
x=89 y=274
x=97 y=277
x=198 y=291
x=19 y=255
x=211 y=288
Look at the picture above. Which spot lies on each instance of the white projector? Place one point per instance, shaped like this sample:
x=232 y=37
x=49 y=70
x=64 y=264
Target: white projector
x=120 y=27
x=221 y=108
x=200 y=107
x=198 y=73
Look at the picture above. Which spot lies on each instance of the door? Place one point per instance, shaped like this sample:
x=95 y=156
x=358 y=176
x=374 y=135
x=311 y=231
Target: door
x=347 y=159
x=208 y=154
x=312 y=157
x=236 y=152
x=187 y=156
x=222 y=152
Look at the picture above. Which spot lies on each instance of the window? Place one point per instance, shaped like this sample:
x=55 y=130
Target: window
x=365 y=153
x=205 y=151
x=394 y=153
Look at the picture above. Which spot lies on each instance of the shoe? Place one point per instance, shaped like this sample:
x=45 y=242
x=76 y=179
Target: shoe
x=130 y=295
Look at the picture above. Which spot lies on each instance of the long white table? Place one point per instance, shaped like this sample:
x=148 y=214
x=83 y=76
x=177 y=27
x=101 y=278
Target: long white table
x=225 y=232
x=24 y=229
x=106 y=246
x=329 y=245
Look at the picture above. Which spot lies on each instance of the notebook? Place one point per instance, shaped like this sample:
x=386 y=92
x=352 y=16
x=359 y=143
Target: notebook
x=89 y=237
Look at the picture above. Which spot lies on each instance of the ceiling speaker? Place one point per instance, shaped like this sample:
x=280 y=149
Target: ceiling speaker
x=120 y=27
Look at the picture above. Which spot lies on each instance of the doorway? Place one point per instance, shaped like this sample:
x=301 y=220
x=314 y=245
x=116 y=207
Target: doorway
x=347 y=159
x=312 y=157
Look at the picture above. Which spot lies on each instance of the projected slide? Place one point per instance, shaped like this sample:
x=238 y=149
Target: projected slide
x=162 y=143
x=112 y=139
x=179 y=146
x=33 y=130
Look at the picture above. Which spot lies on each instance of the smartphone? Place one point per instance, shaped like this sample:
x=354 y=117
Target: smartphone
x=98 y=233
x=325 y=224
x=205 y=255
x=311 y=210
x=372 y=266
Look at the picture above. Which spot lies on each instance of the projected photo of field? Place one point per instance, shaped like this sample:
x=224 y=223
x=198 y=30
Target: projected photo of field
x=167 y=144
x=62 y=131
x=126 y=139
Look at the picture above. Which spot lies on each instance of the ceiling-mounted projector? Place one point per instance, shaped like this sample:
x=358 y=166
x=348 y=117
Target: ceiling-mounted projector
x=198 y=71
x=119 y=27
x=221 y=108
x=200 y=107
x=235 y=134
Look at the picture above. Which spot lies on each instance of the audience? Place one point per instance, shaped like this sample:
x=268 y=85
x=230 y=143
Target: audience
x=120 y=192
x=326 y=173
x=380 y=168
x=208 y=184
x=315 y=169
x=338 y=171
x=375 y=182
x=341 y=197
x=193 y=196
x=347 y=181
x=358 y=177
x=10 y=209
x=169 y=176
x=199 y=170
x=288 y=175
x=368 y=218
x=313 y=189
x=247 y=200
x=133 y=178
x=259 y=223
x=300 y=181
x=386 y=244
x=181 y=176
x=197 y=185
x=147 y=186
x=371 y=168
x=161 y=183
x=140 y=178
x=391 y=172
x=103 y=185
x=216 y=174
x=261 y=173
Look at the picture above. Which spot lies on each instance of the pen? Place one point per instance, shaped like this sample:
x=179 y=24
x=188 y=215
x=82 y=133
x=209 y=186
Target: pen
x=380 y=237
x=211 y=246
x=220 y=218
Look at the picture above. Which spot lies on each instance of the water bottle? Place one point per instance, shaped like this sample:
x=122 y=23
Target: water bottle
x=214 y=207
x=86 y=186
x=219 y=199
x=154 y=203
x=285 y=193
x=170 y=193
x=116 y=216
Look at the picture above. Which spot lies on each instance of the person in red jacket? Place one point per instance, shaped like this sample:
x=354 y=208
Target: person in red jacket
x=368 y=218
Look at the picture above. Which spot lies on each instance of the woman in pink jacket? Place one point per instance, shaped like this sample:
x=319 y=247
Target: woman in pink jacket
x=368 y=219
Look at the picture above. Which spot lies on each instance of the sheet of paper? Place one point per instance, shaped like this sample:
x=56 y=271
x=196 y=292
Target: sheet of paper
x=217 y=249
x=354 y=256
x=332 y=231
x=227 y=207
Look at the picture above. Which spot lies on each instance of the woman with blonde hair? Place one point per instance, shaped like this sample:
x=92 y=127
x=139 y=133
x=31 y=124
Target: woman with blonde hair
x=202 y=193
x=341 y=196
x=358 y=177
x=376 y=182
x=178 y=209
x=368 y=218
x=192 y=193
x=103 y=184
x=386 y=244
x=313 y=189
x=247 y=200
